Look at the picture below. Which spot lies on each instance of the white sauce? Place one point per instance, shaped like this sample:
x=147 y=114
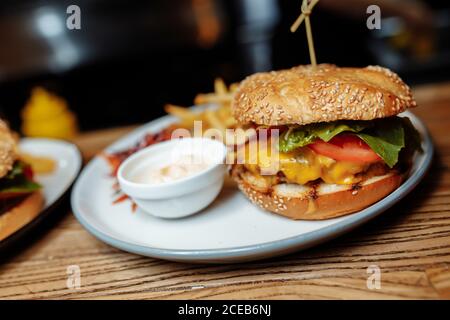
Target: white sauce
x=181 y=168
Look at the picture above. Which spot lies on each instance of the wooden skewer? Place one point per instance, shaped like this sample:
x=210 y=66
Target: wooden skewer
x=306 y=11
x=302 y=16
x=312 y=52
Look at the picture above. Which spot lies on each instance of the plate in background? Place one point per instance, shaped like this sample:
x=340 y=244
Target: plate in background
x=230 y=230
x=54 y=185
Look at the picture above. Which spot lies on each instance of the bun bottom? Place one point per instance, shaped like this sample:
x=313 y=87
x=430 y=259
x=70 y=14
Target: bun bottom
x=323 y=201
x=20 y=215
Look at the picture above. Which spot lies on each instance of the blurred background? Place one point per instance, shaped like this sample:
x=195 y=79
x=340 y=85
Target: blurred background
x=131 y=57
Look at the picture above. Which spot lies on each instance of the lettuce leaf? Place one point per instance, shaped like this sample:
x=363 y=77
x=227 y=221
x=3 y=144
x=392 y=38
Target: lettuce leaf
x=17 y=182
x=412 y=136
x=21 y=186
x=304 y=135
x=384 y=136
x=326 y=131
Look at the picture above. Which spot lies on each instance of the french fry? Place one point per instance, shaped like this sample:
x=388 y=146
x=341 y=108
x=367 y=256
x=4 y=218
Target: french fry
x=221 y=94
x=204 y=98
x=213 y=120
x=178 y=111
x=219 y=87
x=181 y=112
x=220 y=118
x=40 y=165
x=234 y=87
x=185 y=116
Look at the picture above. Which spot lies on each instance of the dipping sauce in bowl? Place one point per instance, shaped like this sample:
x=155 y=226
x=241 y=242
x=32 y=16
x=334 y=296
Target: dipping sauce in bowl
x=182 y=167
x=175 y=178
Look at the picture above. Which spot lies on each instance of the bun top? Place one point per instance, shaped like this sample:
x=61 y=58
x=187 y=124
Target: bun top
x=307 y=94
x=8 y=149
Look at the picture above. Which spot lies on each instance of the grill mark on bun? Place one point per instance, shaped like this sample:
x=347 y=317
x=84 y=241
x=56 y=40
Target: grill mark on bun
x=313 y=192
x=355 y=188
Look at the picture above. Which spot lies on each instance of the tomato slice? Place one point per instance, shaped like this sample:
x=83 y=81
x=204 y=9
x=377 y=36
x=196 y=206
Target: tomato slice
x=28 y=172
x=345 y=147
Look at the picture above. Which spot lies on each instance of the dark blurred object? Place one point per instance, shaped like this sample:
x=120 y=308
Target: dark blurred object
x=256 y=20
x=128 y=59
x=38 y=40
x=424 y=52
x=413 y=40
x=132 y=57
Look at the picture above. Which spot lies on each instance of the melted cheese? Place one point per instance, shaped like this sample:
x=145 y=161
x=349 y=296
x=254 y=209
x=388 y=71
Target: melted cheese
x=304 y=165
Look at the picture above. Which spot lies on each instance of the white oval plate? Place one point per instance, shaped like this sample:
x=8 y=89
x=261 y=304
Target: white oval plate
x=68 y=164
x=54 y=185
x=230 y=230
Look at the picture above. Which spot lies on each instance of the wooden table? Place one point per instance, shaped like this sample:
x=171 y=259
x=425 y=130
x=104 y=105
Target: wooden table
x=410 y=243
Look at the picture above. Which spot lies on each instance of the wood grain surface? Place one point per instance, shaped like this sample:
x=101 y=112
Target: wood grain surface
x=410 y=244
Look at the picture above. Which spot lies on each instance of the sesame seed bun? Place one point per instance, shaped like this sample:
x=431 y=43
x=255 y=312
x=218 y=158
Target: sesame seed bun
x=21 y=214
x=318 y=202
x=307 y=94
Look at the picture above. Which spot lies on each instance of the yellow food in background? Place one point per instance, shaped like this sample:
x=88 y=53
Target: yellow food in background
x=40 y=165
x=47 y=115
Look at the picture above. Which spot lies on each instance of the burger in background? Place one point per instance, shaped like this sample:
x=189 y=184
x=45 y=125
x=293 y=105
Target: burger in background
x=20 y=197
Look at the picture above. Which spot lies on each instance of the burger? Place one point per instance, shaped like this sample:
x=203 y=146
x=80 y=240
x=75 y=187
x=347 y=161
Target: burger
x=341 y=143
x=20 y=198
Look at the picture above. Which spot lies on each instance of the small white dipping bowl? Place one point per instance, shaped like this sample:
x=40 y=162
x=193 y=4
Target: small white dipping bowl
x=177 y=198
